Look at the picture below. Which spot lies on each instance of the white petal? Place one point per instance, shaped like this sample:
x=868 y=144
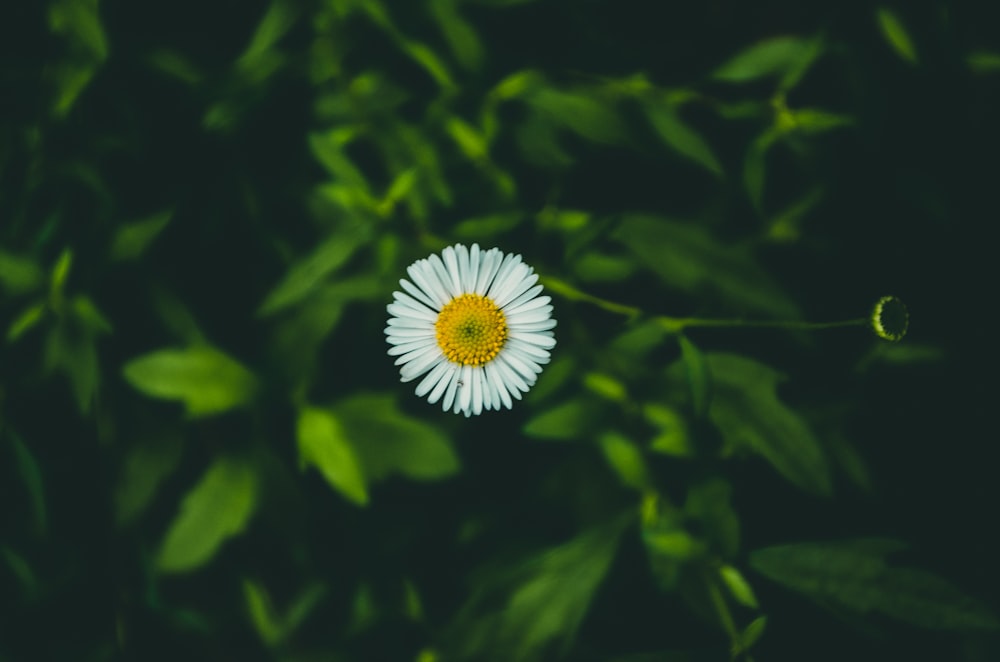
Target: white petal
x=515 y=385
x=506 y=283
x=527 y=305
x=433 y=378
x=419 y=365
x=464 y=279
x=418 y=293
x=407 y=300
x=543 y=325
x=449 y=395
x=477 y=390
x=408 y=323
x=451 y=264
x=537 y=353
x=449 y=376
x=496 y=381
x=472 y=277
x=519 y=288
x=410 y=345
x=521 y=300
x=530 y=316
x=401 y=310
x=488 y=394
x=418 y=274
x=437 y=266
x=507 y=264
x=416 y=353
x=465 y=392
x=545 y=341
x=404 y=332
x=524 y=366
x=488 y=266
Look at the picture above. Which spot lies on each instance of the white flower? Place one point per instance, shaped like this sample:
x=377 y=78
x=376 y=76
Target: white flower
x=473 y=324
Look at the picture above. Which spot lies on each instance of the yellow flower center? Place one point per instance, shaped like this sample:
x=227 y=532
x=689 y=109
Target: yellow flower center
x=471 y=330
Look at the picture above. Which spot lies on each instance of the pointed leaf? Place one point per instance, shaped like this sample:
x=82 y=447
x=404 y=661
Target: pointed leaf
x=203 y=378
x=323 y=445
x=681 y=137
x=689 y=259
x=896 y=35
x=389 y=442
x=746 y=410
x=773 y=57
x=855 y=575
x=217 y=508
x=133 y=239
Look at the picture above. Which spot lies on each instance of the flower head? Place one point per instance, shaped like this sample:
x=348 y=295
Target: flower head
x=473 y=325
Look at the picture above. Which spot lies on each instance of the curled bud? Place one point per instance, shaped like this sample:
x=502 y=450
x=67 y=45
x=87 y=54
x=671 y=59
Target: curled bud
x=889 y=319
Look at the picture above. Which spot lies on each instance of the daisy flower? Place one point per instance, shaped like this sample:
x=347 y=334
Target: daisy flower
x=473 y=325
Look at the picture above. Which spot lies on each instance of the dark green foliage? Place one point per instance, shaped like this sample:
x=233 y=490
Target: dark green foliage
x=205 y=452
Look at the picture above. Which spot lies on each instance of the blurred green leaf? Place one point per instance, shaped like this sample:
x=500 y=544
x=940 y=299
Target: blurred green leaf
x=217 y=508
x=461 y=36
x=147 y=464
x=570 y=420
x=710 y=503
x=593 y=266
x=21 y=569
x=672 y=436
x=625 y=458
x=983 y=62
x=698 y=377
x=854 y=574
x=265 y=620
x=387 y=441
x=746 y=410
x=755 y=166
x=484 y=227
x=308 y=273
x=87 y=314
x=328 y=148
x=277 y=21
x=786 y=225
x=895 y=34
x=204 y=379
x=19 y=275
x=605 y=386
x=176 y=316
x=75 y=355
x=322 y=443
x=60 y=273
x=689 y=259
x=815 y=120
x=78 y=20
x=131 y=240
x=469 y=139
x=532 y=611
x=681 y=137
x=27 y=320
x=31 y=473
x=752 y=633
x=176 y=65
x=778 y=56
x=581 y=112
x=430 y=61
x=738 y=586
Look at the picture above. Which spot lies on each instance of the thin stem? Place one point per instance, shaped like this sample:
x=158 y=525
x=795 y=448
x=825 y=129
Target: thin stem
x=679 y=323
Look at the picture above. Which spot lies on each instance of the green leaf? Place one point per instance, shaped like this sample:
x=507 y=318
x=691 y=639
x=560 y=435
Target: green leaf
x=581 y=112
x=679 y=136
x=75 y=355
x=755 y=166
x=533 y=610
x=689 y=259
x=593 y=266
x=389 y=442
x=322 y=444
x=983 y=62
x=896 y=35
x=672 y=436
x=215 y=509
x=310 y=272
x=147 y=464
x=89 y=316
x=204 y=379
x=79 y=22
x=277 y=21
x=21 y=569
x=31 y=473
x=815 y=120
x=625 y=458
x=27 y=320
x=567 y=421
x=752 y=633
x=773 y=57
x=605 y=386
x=854 y=574
x=696 y=371
x=461 y=36
x=738 y=586
x=746 y=410
x=484 y=227
x=131 y=240
x=265 y=620
x=710 y=502
x=19 y=275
